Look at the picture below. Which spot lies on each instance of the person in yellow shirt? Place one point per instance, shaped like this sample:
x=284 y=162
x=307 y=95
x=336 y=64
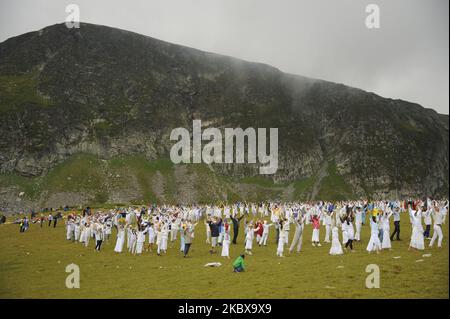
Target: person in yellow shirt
x=376 y=212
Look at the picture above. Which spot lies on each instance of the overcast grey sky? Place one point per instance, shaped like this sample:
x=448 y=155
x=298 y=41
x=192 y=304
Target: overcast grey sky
x=407 y=58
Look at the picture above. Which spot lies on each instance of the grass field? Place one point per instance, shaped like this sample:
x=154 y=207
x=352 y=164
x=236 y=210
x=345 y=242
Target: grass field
x=32 y=265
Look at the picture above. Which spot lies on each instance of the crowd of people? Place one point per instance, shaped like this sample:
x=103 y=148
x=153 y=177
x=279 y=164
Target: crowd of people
x=151 y=228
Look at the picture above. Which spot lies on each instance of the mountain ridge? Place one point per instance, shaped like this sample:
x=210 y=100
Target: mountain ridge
x=221 y=55
x=111 y=92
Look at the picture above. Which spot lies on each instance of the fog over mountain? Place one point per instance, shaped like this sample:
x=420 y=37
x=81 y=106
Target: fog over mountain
x=406 y=58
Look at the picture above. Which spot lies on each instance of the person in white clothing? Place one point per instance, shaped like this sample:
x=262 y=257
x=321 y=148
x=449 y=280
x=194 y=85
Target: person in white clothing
x=208 y=231
x=70 y=228
x=98 y=233
x=282 y=238
x=159 y=235
x=165 y=237
x=374 y=242
x=344 y=230
x=328 y=218
x=427 y=220
x=140 y=240
x=151 y=236
x=87 y=234
x=444 y=211
x=298 y=235
x=226 y=241
x=174 y=230
x=417 y=239
x=385 y=224
x=133 y=237
x=120 y=239
x=77 y=230
x=107 y=230
x=287 y=228
x=437 y=228
x=349 y=231
x=82 y=230
x=249 y=239
x=358 y=223
x=128 y=232
x=336 y=247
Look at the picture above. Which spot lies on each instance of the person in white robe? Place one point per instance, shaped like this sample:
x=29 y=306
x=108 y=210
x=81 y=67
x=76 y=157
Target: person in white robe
x=282 y=238
x=120 y=239
x=128 y=233
x=344 y=230
x=227 y=212
x=108 y=230
x=77 y=230
x=70 y=229
x=208 y=231
x=374 y=242
x=358 y=223
x=98 y=235
x=336 y=247
x=349 y=231
x=174 y=230
x=87 y=234
x=428 y=221
x=254 y=210
x=287 y=228
x=82 y=230
x=437 y=215
x=298 y=235
x=226 y=241
x=249 y=239
x=385 y=224
x=327 y=220
x=164 y=238
x=417 y=240
x=182 y=229
x=140 y=240
x=159 y=235
x=221 y=233
x=444 y=211
x=151 y=236
x=133 y=237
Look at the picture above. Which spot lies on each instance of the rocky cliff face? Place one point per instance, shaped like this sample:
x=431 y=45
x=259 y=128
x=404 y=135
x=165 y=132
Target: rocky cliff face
x=109 y=92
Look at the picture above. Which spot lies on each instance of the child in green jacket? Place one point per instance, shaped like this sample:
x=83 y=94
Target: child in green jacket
x=238 y=264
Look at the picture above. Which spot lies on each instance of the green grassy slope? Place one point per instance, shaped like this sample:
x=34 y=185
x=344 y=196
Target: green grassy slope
x=18 y=90
x=160 y=181
x=33 y=266
x=333 y=186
